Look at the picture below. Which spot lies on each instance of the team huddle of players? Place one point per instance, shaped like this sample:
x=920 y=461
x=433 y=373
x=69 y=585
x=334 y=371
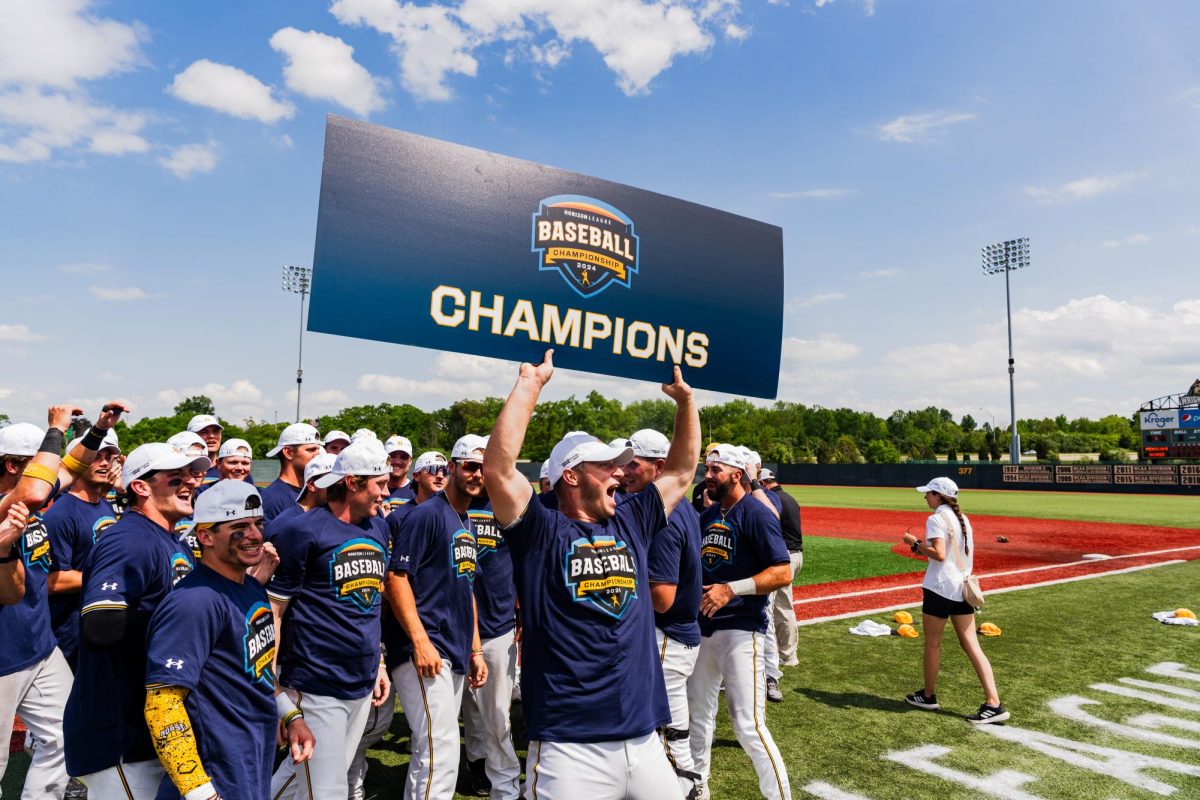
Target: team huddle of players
x=167 y=625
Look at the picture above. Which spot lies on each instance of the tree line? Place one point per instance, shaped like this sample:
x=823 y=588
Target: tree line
x=784 y=433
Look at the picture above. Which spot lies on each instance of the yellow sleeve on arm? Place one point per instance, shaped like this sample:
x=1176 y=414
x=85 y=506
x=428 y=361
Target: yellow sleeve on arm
x=174 y=739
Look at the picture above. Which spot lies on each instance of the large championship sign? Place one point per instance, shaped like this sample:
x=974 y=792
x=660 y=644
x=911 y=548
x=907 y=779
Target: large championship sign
x=427 y=243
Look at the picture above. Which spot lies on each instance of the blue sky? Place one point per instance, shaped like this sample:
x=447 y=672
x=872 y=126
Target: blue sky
x=159 y=162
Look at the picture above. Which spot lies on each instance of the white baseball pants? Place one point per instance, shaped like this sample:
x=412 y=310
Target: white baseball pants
x=737 y=658
x=431 y=706
x=486 y=723
x=336 y=726
x=136 y=781
x=678 y=660
x=379 y=721
x=631 y=769
x=39 y=694
x=783 y=610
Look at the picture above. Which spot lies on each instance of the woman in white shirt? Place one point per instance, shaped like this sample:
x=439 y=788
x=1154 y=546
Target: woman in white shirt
x=949 y=543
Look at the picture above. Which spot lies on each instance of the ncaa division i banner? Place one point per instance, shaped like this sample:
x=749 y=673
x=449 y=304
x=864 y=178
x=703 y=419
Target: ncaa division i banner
x=427 y=243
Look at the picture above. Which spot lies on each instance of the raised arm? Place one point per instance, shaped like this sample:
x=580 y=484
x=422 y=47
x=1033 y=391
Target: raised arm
x=12 y=568
x=507 y=488
x=679 y=471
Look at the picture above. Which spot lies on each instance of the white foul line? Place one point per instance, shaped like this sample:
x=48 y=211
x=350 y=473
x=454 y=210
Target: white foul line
x=1021 y=571
x=867 y=611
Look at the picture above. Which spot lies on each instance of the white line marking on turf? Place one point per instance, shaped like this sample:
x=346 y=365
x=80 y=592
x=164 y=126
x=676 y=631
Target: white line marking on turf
x=868 y=611
x=1021 y=571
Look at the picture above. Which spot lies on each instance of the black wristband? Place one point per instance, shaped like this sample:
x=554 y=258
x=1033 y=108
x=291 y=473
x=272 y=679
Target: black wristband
x=755 y=486
x=93 y=439
x=14 y=553
x=52 y=442
x=915 y=547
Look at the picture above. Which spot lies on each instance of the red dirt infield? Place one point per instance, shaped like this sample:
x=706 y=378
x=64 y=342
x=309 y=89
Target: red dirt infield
x=1038 y=550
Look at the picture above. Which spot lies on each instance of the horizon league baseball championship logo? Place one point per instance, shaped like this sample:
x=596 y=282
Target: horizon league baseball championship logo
x=603 y=574
x=356 y=571
x=587 y=241
x=181 y=565
x=35 y=544
x=718 y=546
x=487 y=538
x=462 y=555
x=259 y=644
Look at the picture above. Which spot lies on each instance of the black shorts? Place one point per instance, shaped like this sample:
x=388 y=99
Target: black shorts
x=935 y=605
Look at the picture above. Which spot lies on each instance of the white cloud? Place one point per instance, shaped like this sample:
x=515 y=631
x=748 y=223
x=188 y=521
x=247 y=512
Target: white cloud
x=889 y=272
x=920 y=127
x=47 y=49
x=811 y=193
x=1131 y=239
x=118 y=293
x=229 y=90
x=84 y=268
x=797 y=303
x=45 y=121
x=237 y=400
x=323 y=67
x=1081 y=189
x=637 y=39
x=826 y=349
x=19 y=334
x=190 y=159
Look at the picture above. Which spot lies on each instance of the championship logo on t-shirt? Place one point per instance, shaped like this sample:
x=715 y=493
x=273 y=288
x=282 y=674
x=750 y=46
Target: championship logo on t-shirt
x=181 y=565
x=718 y=546
x=356 y=571
x=602 y=573
x=185 y=532
x=390 y=504
x=462 y=554
x=487 y=538
x=35 y=545
x=259 y=643
x=101 y=525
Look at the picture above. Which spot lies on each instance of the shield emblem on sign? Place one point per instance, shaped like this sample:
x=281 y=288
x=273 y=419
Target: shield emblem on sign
x=591 y=244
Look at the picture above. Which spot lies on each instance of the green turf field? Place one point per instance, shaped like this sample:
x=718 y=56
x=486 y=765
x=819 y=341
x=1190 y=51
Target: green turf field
x=1169 y=510
x=827 y=558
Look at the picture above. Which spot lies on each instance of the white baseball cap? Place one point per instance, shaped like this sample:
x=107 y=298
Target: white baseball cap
x=21 y=439
x=766 y=475
x=648 y=443
x=464 y=449
x=295 y=434
x=235 y=447
x=428 y=460
x=364 y=457
x=227 y=501
x=577 y=447
x=728 y=454
x=752 y=457
x=620 y=441
x=545 y=471
x=337 y=436
x=397 y=444
x=186 y=440
x=158 y=456
x=110 y=441
x=321 y=465
x=943 y=486
x=363 y=433
x=202 y=421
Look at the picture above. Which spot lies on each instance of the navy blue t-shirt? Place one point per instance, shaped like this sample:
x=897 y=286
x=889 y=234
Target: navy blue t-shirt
x=436 y=549
x=185 y=532
x=216 y=638
x=675 y=558
x=395 y=640
x=331 y=573
x=132 y=567
x=276 y=497
x=735 y=545
x=590 y=669
x=775 y=501
x=270 y=528
x=495 y=587
x=25 y=626
x=397 y=498
x=74 y=526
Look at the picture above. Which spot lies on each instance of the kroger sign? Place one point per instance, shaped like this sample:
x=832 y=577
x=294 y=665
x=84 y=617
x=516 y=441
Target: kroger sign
x=1160 y=420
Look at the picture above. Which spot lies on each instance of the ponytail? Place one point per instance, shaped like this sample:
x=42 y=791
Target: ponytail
x=962 y=524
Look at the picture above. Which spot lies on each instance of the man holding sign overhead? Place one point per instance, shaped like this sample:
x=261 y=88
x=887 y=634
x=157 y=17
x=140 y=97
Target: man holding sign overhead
x=592 y=688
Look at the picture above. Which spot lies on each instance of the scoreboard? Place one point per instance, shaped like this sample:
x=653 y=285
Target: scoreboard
x=1170 y=433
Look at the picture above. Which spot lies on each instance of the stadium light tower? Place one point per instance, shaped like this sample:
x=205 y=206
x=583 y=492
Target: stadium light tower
x=1006 y=257
x=298 y=280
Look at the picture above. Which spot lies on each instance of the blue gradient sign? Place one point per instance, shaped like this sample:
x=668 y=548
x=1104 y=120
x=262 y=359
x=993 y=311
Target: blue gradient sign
x=427 y=243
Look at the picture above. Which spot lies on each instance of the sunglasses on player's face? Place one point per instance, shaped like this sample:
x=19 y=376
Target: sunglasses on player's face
x=439 y=470
x=470 y=466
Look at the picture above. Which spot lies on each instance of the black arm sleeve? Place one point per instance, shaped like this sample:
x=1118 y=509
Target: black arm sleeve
x=104 y=627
